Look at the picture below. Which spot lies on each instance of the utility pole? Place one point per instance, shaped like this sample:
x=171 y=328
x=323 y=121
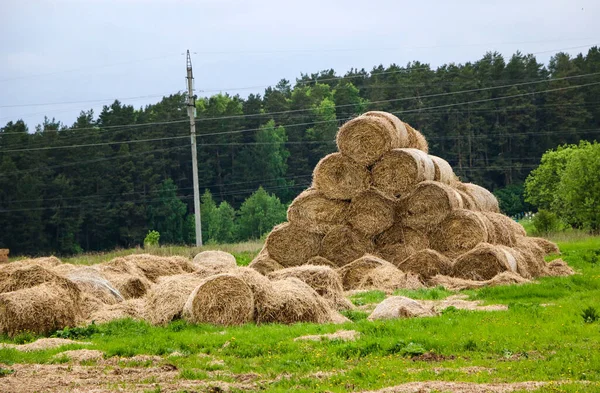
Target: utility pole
x=191 y=107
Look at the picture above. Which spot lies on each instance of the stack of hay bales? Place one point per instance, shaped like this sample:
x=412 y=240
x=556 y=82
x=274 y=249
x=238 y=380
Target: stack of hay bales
x=382 y=207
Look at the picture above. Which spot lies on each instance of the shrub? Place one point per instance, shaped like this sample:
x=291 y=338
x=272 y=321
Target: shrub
x=546 y=222
x=590 y=315
x=152 y=239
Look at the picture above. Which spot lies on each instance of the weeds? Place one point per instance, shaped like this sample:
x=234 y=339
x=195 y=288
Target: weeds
x=590 y=315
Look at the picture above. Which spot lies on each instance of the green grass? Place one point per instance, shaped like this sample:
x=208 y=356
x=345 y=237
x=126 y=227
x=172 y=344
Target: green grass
x=542 y=336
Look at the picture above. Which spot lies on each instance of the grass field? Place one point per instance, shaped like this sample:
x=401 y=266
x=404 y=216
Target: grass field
x=543 y=336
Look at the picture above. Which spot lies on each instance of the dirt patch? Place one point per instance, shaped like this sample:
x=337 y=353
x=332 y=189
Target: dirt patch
x=81 y=355
x=343 y=335
x=30 y=378
x=432 y=357
x=465 y=370
x=461 y=387
x=43 y=344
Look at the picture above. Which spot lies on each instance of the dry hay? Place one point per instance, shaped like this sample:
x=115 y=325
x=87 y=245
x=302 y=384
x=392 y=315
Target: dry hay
x=342 y=335
x=153 y=266
x=533 y=256
x=467 y=201
x=517 y=228
x=426 y=263
x=518 y=261
x=80 y=355
x=27 y=276
x=416 y=139
x=92 y=282
x=126 y=277
x=371 y=212
x=399 y=242
x=290 y=245
x=264 y=264
x=481 y=263
x=320 y=261
x=484 y=200
x=131 y=308
x=503 y=228
x=45 y=262
x=43 y=344
x=324 y=280
x=214 y=260
x=40 y=309
x=371 y=272
x=261 y=287
x=343 y=245
x=428 y=204
x=295 y=301
x=165 y=300
x=559 y=268
x=443 y=171
x=223 y=299
x=546 y=245
x=400 y=307
x=460 y=231
x=339 y=177
x=395 y=123
x=366 y=138
x=314 y=212
x=399 y=170
x=458 y=284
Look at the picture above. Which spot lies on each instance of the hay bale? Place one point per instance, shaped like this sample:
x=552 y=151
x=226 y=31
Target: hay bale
x=426 y=264
x=223 y=299
x=46 y=263
x=323 y=279
x=343 y=245
x=399 y=170
x=295 y=301
x=559 y=268
x=399 y=242
x=314 y=212
x=290 y=245
x=489 y=227
x=503 y=229
x=517 y=228
x=517 y=261
x=92 y=282
x=400 y=307
x=443 y=171
x=339 y=177
x=166 y=299
x=460 y=231
x=264 y=264
x=459 y=284
x=366 y=138
x=215 y=260
x=40 y=309
x=395 y=123
x=533 y=256
x=371 y=212
x=130 y=308
x=261 y=287
x=484 y=200
x=416 y=139
x=320 y=261
x=429 y=203
x=371 y=272
x=546 y=245
x=481 y=263
x=467 y=201
x=353 y=273
x=126 y=277
x=153 y=266
x=28 y=276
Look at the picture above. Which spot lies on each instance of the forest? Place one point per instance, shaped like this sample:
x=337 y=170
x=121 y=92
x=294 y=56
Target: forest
x=107 y=179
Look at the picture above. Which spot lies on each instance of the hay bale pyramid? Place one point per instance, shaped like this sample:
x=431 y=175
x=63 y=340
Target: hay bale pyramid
x=389 y=215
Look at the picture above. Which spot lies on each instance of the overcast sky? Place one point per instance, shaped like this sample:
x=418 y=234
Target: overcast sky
x=54 y=51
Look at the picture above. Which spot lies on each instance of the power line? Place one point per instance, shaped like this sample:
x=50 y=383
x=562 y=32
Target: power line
x=87 y=101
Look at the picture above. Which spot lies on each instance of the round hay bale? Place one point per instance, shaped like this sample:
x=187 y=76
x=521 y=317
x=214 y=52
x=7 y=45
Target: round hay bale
x=481 y=263
x=399 y=170
x=416 y=139
x=264 y=264
x=45 y=262
x=214 y=260
x=320 y=261
x=484 y=200
x=371 y=272
x=400 y=307
x=92 y=282
x=533 y=256
x=353 y=273
x=290 y=245
x=516 y=260
x=339 y=177
x=459 y=232
x=366 y=138
x=443 y=171
x=401 y=234
x=343 y=245
x=426 y=263
x=166 y=299
x=371 y=212
x=323 y=279
x=502 y=228
x=395 y=123
x=28 y=276
x=40 y=309
x=467 y=201
x=126 y=277
x=223 y=299
x=130 y=308
x=153 y=266
x=295 y=301
x=559 y=268
x=489 y=227
x=261 y=287
x=517 y=228
x=545 y=244
x=314 y=212
x=428 y=205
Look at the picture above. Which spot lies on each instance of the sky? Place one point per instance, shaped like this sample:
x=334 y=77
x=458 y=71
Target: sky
x=73 y=55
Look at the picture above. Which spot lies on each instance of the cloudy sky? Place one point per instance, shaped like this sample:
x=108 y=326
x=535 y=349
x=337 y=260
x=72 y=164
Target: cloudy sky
x=82 y=54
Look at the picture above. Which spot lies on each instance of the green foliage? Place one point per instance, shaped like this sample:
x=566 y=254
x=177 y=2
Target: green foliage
x=512 y=200
x=152 y=239
x=168 y=214
x=77 y=332
x=258 y=214
x=545 y=222
x=590 y=315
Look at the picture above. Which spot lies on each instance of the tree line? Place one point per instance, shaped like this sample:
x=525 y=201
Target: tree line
x=109 y=178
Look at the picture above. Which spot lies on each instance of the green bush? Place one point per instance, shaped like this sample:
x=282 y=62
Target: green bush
x=152 y=239
x=545 y=222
